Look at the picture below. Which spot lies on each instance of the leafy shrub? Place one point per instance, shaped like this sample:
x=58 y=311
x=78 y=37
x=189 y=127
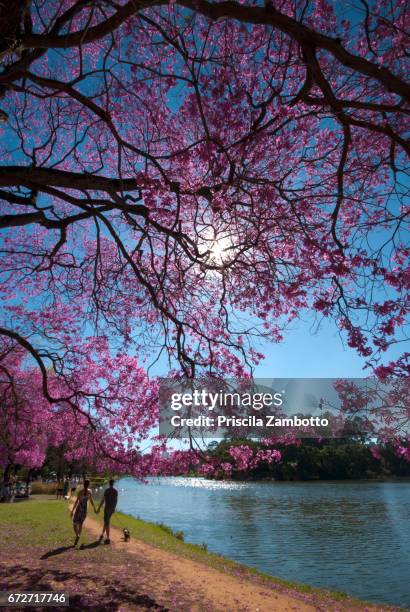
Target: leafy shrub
x=165 y=528
x=43 y=488
x=179 y=535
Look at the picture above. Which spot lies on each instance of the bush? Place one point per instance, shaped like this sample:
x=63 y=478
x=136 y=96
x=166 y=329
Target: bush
x=43 y=488
x=165 y=528
x=179 y=535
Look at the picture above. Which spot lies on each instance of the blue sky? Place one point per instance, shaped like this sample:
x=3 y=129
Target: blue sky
x=305 y=353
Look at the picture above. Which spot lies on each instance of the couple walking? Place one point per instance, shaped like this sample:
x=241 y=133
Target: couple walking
x=79 y=511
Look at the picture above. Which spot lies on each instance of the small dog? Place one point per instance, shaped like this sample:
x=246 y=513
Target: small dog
x=127 y=534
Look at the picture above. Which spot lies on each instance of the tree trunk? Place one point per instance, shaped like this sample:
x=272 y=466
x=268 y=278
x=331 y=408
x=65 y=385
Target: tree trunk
x=6 y=474
x=11 y=18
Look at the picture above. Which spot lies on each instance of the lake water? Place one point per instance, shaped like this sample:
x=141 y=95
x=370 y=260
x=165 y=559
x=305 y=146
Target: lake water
x=353 y=537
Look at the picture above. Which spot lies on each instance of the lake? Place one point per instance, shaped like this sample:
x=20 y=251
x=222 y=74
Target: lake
x=348 y=536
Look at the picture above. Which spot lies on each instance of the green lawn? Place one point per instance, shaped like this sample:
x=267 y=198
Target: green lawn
x=38 y=522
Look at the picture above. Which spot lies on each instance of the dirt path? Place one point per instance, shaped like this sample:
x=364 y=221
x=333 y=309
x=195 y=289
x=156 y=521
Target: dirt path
x=222 y=591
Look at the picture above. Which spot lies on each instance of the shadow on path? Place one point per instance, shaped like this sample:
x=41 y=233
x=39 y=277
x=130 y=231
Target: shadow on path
x=56 y=551
x=95 y=544
x=112 y=595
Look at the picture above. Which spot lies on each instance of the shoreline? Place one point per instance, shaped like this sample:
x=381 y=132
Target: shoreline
x=277 y=481
x=231 y=567
x=208 y=580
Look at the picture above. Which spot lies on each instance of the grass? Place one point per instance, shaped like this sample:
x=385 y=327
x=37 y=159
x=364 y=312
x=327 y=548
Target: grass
x=46 y=523
x=43 y=522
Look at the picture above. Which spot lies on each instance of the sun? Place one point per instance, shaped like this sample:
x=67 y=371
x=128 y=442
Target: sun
x=216 y=246
x=220 y=250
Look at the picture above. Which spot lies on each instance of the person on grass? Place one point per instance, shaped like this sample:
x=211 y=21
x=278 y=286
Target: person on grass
x=65 y=487
x=73 y=487
x=59 y=491
x=109 y=501
x=79 y=511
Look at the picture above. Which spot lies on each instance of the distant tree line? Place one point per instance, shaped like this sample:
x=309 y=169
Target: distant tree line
x=325 y=459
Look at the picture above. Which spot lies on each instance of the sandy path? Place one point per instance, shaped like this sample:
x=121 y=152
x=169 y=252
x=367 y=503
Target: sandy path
x=222 y=591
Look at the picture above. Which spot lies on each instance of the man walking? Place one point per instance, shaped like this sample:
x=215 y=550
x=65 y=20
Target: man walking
x=110 y=503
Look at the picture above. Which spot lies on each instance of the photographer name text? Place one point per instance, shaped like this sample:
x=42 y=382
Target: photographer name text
x=269 y=420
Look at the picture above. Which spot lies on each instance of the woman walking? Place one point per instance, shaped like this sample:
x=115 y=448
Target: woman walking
x=79 y=511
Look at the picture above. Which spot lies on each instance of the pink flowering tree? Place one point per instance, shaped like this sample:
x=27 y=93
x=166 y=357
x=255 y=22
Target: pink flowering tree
x=383 y=408
x=171 y=169
x=26 y=424
x=99 y=410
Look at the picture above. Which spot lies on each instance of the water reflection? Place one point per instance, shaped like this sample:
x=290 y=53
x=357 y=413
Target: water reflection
x=347 y=536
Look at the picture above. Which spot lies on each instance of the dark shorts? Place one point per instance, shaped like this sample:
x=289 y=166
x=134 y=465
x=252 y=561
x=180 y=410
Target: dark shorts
x=108 y=512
